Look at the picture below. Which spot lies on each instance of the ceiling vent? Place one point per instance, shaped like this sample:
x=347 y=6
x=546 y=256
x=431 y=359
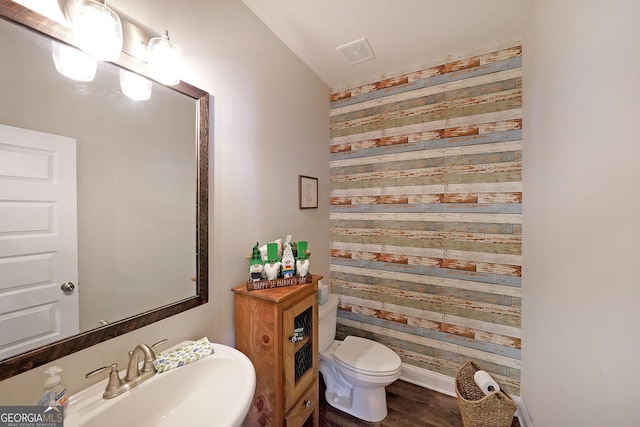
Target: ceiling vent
x=357 y=51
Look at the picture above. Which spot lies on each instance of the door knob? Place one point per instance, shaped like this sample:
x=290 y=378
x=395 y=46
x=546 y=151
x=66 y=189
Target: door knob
x=67 y=287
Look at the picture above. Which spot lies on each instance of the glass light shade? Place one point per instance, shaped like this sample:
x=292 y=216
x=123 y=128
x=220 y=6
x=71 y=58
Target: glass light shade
x=98 y=30
x=135 y=86
x=164 y=60
x=73 y=63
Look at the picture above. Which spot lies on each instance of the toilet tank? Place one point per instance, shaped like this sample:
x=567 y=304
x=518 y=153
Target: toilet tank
x=327 y=314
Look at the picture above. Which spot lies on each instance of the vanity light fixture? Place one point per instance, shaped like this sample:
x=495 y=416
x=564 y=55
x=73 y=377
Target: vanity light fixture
x=73 y=63
x=134 y=85
x=164 y=60
x=98 y=30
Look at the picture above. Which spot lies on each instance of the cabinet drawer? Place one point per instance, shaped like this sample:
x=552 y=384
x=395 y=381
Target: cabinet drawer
x=301 y=410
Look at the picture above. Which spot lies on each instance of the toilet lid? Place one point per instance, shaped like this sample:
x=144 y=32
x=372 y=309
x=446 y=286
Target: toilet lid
x=364 y=355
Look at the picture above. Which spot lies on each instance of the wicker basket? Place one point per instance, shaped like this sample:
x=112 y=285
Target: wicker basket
x=479 y=410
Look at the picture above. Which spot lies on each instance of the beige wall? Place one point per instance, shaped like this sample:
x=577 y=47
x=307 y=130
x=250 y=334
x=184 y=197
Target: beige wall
x=581 y=211
x=269 y=124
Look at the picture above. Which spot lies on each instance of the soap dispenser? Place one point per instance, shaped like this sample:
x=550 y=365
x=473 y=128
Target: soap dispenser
x=55 y=392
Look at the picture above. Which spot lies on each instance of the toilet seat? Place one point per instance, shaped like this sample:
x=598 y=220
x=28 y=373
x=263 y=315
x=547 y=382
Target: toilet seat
x=366 y=357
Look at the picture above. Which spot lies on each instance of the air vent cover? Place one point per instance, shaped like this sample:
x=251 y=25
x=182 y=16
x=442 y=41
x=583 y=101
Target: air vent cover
x=357 y=51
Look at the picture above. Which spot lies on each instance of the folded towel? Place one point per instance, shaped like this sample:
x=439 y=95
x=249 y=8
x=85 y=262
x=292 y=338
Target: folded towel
x=323 y=293
x=178 y=356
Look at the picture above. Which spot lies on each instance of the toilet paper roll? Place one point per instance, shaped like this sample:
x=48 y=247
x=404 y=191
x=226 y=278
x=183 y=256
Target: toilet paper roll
x=486 y=383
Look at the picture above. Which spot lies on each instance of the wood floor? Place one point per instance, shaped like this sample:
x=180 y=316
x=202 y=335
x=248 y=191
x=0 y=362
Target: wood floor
x=408 y=404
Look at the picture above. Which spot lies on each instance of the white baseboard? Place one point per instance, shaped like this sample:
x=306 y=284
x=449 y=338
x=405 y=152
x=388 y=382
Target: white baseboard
x=523 y=415
x=446 y=385
x=428 y=379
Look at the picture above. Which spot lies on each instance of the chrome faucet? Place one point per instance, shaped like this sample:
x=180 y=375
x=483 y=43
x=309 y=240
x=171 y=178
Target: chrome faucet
x=134 y=376
x=148 y=369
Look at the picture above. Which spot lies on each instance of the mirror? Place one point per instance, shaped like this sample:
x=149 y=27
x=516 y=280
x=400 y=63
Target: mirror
x=141 y=213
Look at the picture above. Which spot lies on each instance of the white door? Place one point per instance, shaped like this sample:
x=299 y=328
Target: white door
x=38 y=239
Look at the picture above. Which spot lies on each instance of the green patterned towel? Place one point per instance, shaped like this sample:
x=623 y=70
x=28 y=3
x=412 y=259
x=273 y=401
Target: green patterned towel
x=176 y=357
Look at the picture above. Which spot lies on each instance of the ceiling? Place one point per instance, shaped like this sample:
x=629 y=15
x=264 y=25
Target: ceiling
x=403 y=34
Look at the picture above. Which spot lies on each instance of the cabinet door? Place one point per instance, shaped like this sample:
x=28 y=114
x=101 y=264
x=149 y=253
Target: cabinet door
x=300 y=348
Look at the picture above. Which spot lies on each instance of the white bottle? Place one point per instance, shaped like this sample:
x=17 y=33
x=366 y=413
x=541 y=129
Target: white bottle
x=55 y=392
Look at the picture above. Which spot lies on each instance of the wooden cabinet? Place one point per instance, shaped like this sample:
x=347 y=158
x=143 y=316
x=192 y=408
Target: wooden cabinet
x=278 y=330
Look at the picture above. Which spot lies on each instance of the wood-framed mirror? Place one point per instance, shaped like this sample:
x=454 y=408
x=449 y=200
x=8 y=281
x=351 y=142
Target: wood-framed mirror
x=26 y=20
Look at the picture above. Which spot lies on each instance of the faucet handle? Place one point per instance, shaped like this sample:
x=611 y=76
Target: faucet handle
x=114 y=382
x=159 y=342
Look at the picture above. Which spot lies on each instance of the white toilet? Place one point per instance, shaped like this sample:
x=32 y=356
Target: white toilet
x=355 y=370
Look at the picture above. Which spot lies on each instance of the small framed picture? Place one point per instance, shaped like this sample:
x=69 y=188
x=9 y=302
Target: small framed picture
x=308 y=192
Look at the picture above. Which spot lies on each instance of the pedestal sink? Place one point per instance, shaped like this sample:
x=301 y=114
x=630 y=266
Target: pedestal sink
x=214 y=391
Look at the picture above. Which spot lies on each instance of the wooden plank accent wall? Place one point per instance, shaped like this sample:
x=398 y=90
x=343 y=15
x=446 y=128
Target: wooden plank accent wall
x=426 y=213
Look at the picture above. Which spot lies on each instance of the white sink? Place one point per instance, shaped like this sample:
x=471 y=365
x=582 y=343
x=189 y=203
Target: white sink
x=214 y=391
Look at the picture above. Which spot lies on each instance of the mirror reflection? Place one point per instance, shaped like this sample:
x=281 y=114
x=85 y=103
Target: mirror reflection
x=96 y=190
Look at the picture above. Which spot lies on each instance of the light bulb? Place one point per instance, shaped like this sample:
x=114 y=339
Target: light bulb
x=135 y=86
x=98 y=30
x=164 y=60
x=73 y=63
